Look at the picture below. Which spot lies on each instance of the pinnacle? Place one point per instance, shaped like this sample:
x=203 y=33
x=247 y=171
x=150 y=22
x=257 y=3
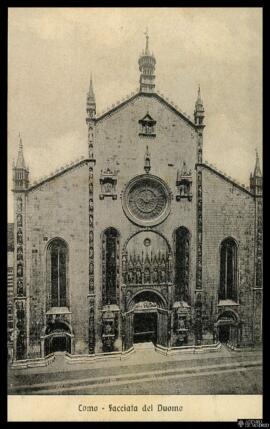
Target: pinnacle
x=257 y=169
x=91 y=90
x=20 y=160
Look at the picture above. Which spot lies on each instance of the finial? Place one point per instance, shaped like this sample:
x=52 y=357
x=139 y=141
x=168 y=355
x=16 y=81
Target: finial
x=20 y=142
x=147 y=41
x=199 y=100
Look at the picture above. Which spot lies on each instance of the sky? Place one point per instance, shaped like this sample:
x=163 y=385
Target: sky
x=52 y=51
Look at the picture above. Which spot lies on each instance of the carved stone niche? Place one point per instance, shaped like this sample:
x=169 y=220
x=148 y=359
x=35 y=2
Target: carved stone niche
x=181 y=325
x=108 y=330
x=147 y=126
x=108 y=181
x=184 y=183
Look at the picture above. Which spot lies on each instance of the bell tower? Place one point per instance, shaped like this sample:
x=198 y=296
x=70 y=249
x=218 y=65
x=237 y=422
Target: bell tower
x=147 y=64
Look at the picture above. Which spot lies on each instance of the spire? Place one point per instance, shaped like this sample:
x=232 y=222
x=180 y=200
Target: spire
x=147 y=161
x=20 y=171
x=20 y=160
x=199 y=109
x=91 y=101
x=257 y=169
x=91 y=94
x=147 y=64
x=256 y=181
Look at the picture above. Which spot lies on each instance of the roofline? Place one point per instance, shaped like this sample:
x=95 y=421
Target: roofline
x=146 y=94
x=220 y=174
x=59 y=173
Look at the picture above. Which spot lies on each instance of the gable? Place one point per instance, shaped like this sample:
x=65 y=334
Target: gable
x=166 y=103
x=121 y=139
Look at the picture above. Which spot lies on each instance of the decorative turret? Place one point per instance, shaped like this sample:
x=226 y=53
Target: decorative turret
x=91 y=102
x=147 y=64
x=256 y=178
x=20 y=171
x=199 y=111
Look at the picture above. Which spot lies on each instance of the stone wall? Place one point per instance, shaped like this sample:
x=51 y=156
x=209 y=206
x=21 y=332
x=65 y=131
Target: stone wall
x=59 y=208
x=228 y=212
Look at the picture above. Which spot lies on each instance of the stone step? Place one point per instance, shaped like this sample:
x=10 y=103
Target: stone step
x=58 y=386
x=142 y=346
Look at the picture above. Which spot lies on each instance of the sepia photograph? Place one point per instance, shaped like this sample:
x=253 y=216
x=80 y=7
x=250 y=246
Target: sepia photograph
x=135 y=207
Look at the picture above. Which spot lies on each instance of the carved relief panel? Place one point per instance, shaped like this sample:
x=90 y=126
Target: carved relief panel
x=147 y=260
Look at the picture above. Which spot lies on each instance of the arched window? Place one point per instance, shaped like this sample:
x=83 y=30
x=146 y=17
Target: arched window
x=110 y=264
x=182 y=243
x=228 y=270
x=57 y=273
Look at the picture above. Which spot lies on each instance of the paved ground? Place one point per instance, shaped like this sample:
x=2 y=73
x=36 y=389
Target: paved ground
x=147 y=372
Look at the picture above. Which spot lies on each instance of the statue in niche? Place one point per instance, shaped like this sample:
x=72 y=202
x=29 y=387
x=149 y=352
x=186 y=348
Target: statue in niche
x=147 y=275
x=155 y=275
x=19 y=204
x=182 y=189
x=108 y=329
x=184 y=182
x=19 y=220
x=181 y=323
x=162 y=275
x=130 y=276
x=19 y=236
x=19 y=270
x=108 y=181
x=108 y=187
x=20 y=287
x=138 y=276
x=91 y=268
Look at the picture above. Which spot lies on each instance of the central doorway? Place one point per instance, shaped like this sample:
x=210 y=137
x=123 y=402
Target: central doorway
x=224 y=333
x=145 y=327
x=59 y=344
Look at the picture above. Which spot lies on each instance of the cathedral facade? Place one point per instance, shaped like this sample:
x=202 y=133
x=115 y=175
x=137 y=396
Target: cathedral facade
x=140 y=241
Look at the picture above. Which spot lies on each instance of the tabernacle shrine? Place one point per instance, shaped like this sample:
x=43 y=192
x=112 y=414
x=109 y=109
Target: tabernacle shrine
x=139 y=241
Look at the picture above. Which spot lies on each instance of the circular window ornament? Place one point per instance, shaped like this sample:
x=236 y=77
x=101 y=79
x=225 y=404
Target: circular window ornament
x=147 y=242
x=147 y=200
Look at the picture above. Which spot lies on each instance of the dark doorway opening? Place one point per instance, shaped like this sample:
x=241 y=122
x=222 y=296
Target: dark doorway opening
x=145 y=327
x=60 y=344
x=224 y=333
